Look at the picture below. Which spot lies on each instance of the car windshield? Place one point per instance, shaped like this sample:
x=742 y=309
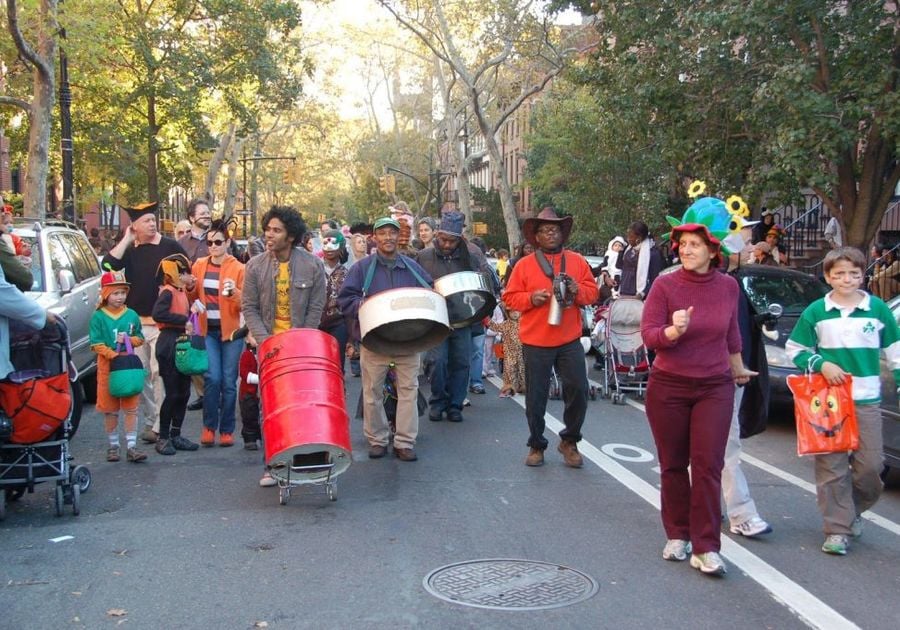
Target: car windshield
x=793 y=292
x=38 y=284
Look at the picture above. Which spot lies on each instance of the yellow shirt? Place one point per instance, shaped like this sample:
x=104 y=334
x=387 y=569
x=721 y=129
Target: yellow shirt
x=282 y=299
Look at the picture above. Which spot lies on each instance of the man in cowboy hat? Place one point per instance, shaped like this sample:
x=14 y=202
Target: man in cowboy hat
x=139 y=254
x=541 y=284
x=451 y=253
x=385 y=269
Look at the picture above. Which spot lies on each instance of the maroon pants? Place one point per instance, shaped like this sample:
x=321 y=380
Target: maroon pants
x=690 y=418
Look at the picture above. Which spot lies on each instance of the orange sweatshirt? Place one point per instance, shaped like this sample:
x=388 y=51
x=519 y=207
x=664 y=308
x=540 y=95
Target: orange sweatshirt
x=229 y=307
x=527 y=278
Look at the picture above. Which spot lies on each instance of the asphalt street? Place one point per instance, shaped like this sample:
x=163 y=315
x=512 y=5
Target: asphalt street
x=192 y=541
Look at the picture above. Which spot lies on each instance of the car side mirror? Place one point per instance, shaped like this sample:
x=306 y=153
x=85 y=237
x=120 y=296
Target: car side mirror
x=66 y=280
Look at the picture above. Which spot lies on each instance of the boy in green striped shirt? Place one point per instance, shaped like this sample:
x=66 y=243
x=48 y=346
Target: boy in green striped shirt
x=839 y=335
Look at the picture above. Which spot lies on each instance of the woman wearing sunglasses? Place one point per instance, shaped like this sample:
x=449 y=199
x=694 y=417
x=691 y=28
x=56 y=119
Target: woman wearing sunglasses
x=220 y=279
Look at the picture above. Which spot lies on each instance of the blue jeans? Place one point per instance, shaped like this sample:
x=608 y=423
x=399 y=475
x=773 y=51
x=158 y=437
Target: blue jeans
x=476 y=367
x=450 y=379
x=220 y=382
x=339 y=332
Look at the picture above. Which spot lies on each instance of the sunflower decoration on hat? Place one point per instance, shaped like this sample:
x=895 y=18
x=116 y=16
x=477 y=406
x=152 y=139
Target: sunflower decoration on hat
x=723 y=219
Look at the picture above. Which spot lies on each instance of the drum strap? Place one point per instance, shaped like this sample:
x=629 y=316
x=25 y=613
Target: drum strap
x=370 y=274
x=545 y=265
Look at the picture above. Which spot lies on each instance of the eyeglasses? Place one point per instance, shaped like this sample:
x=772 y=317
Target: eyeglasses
x=549 y=229
x=215 y=242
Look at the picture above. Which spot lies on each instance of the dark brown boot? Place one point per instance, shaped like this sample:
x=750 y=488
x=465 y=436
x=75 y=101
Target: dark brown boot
x=570 y=454
x=535 y=457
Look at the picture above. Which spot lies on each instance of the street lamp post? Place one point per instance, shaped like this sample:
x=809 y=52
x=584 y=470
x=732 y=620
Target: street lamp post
x=65 y=118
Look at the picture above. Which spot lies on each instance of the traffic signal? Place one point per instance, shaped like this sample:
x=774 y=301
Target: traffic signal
x=382 y=184
x=390 y=184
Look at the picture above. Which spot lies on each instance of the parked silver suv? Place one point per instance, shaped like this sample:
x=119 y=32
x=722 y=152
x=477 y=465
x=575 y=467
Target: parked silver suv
x=67 y=282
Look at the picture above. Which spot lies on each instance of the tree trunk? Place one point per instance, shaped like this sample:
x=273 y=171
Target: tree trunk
x=861 y=202
x=234 y=155
x=215 y=164
x=510 y=217
x=152 y=150
x=43 y=61
x=34 y=192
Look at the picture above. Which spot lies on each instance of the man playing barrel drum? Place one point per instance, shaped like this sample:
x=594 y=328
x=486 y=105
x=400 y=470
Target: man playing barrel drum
x=284 y=287
x=547 y=287
x=383 y=270
x=451 y=253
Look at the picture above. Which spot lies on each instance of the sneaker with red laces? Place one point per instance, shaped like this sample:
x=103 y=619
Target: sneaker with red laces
x=226 y=439
x=208 y=437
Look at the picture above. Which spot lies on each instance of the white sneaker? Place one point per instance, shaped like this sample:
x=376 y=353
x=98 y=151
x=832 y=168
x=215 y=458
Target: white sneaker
x=267 y=480
x=753 y=526
x=676 y=550
x=710 y=563
x=856 y=527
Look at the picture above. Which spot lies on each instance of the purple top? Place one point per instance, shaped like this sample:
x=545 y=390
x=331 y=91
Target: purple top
x=713 y=332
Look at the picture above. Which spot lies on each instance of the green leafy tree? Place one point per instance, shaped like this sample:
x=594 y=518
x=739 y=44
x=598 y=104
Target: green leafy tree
x=172 y=65
x=763 y=97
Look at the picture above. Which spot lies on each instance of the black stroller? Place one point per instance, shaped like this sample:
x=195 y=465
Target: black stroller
x=36 y=407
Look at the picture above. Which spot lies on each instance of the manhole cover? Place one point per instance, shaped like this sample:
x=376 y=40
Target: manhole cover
x=502 y=584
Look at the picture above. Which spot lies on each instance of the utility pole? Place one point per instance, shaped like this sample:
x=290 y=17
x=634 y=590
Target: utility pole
x=65 y=121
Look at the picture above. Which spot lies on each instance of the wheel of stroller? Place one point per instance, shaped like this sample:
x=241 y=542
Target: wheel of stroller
x=14 y=494
x=76 y=499
x=283 y=496
x=81 y=477
x=331 y=489
x=59 y=499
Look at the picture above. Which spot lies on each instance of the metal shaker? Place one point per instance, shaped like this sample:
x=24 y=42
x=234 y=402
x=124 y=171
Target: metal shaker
x=554 y=317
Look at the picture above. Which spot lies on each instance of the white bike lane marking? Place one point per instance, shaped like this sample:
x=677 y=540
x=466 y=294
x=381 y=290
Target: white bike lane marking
x=804 y=604
x=869 y=515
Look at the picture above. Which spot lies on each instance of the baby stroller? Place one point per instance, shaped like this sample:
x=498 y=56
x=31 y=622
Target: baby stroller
x=36 y=419
x=626 y=366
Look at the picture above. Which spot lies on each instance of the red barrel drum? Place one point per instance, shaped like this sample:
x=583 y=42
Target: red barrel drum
x=301 y=393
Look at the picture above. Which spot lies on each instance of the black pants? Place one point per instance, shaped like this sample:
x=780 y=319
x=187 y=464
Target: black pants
x=568 y=360
x=177 y=385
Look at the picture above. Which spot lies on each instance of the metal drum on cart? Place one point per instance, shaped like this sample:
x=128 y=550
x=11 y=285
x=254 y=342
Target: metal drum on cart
x=306 y=429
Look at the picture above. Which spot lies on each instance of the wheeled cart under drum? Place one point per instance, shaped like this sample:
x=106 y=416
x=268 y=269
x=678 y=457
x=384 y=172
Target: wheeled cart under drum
x=305 y=427
x=306 y=475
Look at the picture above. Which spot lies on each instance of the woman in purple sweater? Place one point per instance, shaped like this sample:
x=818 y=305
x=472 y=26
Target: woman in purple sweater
x=690 y=320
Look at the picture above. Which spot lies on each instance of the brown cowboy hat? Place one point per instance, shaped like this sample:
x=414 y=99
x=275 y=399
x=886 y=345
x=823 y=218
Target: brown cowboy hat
x=547 y=215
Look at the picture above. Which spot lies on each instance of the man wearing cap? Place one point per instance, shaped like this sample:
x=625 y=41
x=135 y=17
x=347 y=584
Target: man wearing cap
x=451 y=253
x=139 y=253
x=385 y=269
x=541 y=284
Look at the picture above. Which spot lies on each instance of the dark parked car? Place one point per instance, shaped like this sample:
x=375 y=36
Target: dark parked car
x=793 y=291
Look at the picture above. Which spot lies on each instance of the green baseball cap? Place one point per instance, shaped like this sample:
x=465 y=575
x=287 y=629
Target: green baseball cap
x=383 y=221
